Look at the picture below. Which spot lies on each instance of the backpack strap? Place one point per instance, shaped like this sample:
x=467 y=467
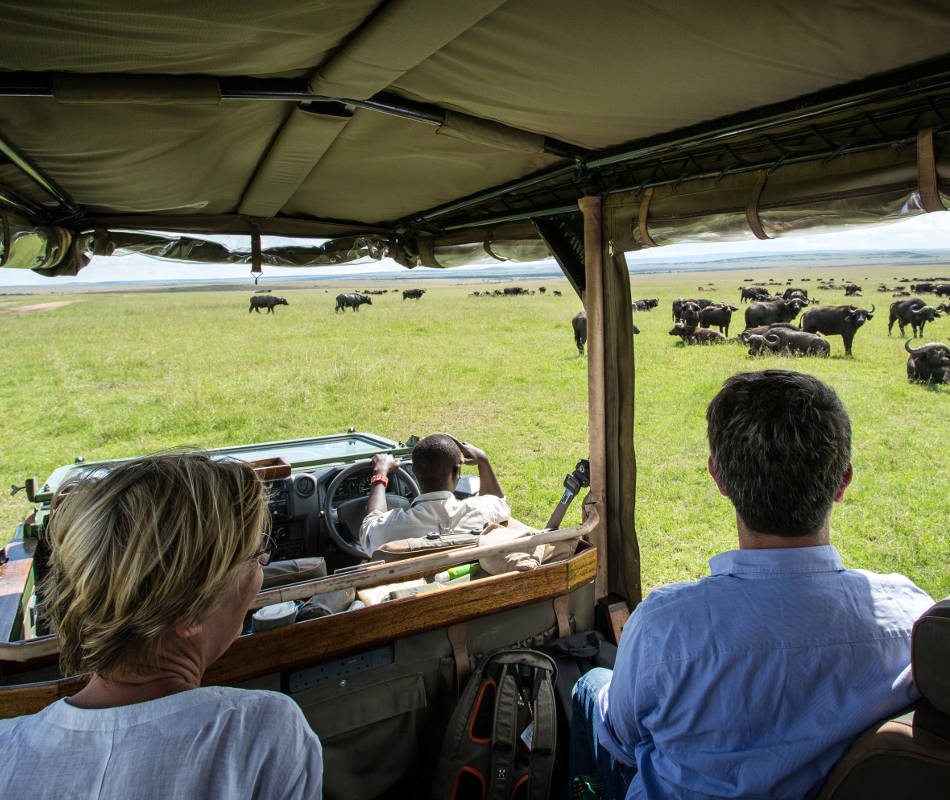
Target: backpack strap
x=544 y=740
x=504 y=735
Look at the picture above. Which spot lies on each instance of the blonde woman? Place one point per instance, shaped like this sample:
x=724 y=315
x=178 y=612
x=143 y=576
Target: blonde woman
x=153 y=569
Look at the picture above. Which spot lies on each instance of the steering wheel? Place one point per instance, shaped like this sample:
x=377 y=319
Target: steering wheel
x=344 y=521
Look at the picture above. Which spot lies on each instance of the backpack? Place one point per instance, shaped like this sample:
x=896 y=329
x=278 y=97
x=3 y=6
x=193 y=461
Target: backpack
x=501 y=738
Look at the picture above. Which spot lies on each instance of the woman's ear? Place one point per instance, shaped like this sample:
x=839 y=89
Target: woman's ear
x=187 y=631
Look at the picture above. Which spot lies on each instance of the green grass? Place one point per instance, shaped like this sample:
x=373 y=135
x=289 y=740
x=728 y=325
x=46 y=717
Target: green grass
x=122 y=374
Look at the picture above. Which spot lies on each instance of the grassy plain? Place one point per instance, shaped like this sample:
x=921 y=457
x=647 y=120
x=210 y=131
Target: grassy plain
x=122 y=374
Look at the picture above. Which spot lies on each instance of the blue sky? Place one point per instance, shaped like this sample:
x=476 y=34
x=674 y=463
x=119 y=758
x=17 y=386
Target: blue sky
x=924 y=232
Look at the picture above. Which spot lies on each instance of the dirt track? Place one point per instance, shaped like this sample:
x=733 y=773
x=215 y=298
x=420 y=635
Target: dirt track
x=38 y=307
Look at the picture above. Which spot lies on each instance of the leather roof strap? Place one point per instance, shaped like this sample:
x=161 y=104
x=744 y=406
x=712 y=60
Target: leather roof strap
x=561 y=608
x=642 y=220
x=458 y=638
x=927 y=186
x=257 y=268
x=752 y=209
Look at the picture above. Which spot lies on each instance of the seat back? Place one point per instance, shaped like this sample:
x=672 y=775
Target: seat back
x=907 y=755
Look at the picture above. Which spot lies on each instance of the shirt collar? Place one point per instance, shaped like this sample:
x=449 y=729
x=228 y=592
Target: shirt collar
x=425 y=497
x=777 y=561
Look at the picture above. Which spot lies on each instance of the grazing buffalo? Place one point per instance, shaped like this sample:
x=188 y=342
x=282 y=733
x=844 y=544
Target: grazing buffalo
x=719 y=316
x=542 y=289
x=914 y=312
x=268 y=301
x=852 y=289
x=690 y=334
x=942 y=289
x=929 y=363
x=680 y=302
x=556 y=293
x=645 y=304
x=579 y=324
x=768 y=312
x=784 y=341
x=842 y=321
x=791 y=294
x=922 y=287
x=512 y=290
x=412 y=294
x=354 y=301
x=747 y=293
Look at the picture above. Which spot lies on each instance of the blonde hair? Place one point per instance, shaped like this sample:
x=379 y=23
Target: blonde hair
x=154 y=544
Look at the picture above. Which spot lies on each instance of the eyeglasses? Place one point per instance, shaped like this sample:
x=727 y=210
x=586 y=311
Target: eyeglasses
x=263 y=555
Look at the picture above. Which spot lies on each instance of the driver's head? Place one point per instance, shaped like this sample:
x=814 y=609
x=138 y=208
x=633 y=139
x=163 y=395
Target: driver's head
x=436 y=463
x=157 y=543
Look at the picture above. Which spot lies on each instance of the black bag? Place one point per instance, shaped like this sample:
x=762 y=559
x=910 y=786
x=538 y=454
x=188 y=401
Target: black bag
x=501 y=738
x=574 y=656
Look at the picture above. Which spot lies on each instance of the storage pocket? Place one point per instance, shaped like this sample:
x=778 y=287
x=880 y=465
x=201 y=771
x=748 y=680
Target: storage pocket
x=373 y=734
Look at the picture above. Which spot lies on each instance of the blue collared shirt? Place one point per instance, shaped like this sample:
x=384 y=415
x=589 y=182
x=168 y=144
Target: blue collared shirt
x=753 y=681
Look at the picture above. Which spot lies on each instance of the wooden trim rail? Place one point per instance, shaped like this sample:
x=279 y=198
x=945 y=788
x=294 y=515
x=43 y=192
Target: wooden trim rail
x=307 y=643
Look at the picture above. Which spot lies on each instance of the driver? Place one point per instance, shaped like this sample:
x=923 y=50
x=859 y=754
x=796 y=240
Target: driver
x=436 y=465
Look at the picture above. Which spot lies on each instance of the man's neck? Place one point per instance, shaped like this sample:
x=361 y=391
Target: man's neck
x=757 y=540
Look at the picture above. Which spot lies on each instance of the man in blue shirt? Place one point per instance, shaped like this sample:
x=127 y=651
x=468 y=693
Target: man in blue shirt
x=753 y=681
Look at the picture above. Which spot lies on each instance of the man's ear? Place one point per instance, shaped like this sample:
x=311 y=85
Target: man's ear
x=845 y=482
x=715 y=477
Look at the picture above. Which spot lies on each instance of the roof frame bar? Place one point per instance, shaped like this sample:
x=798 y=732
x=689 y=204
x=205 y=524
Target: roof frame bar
x=67 y=207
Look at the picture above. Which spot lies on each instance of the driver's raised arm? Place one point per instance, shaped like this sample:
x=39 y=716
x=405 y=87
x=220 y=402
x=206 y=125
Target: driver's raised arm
x=487 y=481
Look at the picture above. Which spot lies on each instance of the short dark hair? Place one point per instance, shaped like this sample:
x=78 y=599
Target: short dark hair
x=780 y=443
x=434 y=458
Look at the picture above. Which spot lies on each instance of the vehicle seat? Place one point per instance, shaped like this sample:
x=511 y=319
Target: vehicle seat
x=906 y=756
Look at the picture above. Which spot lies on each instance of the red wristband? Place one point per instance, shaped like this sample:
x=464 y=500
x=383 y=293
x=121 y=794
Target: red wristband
x=379 y=479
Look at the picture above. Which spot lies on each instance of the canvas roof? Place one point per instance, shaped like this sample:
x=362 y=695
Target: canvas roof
x=136 y=130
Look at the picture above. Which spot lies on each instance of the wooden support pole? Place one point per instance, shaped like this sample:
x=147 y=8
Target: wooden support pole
x=597 y=431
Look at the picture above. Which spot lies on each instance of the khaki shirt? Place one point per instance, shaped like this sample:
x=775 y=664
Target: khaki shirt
x=431 y=511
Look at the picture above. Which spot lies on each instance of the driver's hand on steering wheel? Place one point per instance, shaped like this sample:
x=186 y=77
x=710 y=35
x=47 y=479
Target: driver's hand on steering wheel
x=384 y=464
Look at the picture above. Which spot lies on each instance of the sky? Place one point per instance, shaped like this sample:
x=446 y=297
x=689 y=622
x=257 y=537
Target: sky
x=924 y=232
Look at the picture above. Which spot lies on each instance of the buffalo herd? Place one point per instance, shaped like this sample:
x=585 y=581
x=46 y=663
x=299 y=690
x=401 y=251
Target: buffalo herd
x=771 y=326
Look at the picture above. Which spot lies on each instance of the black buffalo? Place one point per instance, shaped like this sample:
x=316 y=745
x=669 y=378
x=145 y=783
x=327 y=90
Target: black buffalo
x=763 y=329
x=789 y=341
x=719 y=316
x=842 y=321
x=929 y=363
x=268 y=301
x=680 y=303
x=646 y=304
x=412 y=294
x=747 y=293
x=771 y=311
x=851 y=289
x=579 y=324
x=942 y=289
x=354 y=301
x=791 y=294
x=914 y=312
x=691 y=334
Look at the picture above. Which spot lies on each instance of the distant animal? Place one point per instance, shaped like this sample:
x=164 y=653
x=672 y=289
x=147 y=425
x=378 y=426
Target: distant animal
x=767 y=312
x=542 y=289
x=513 y=290
x=929 y=363
x=914 y=312
x=556 y=293
x=412 y=294
x=796 y=294
x=747 y=293
x=942 y=289
x=842 y=321
x=691 y=334
x=852 y=289
x=718 y=316
x=268 y=301
x=789 y=341
x=921 y=287
x=354 y=301
x=646 y=304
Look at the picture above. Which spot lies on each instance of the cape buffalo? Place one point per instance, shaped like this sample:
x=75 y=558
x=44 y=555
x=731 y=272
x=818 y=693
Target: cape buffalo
x=942 y=289
x=761 y=330
x=789 y=341
x=412 y=294
x=579 y=324
x=852 y=289
x=791 y=294
x=719 y=316
x=268 y=301
x=747 y=293
x=765 y=313
x=929 y=363
x=913 y=312
x=842 y=321
x=690 y=334
x=646 y=304
x=681 y=302
x=354 y=301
